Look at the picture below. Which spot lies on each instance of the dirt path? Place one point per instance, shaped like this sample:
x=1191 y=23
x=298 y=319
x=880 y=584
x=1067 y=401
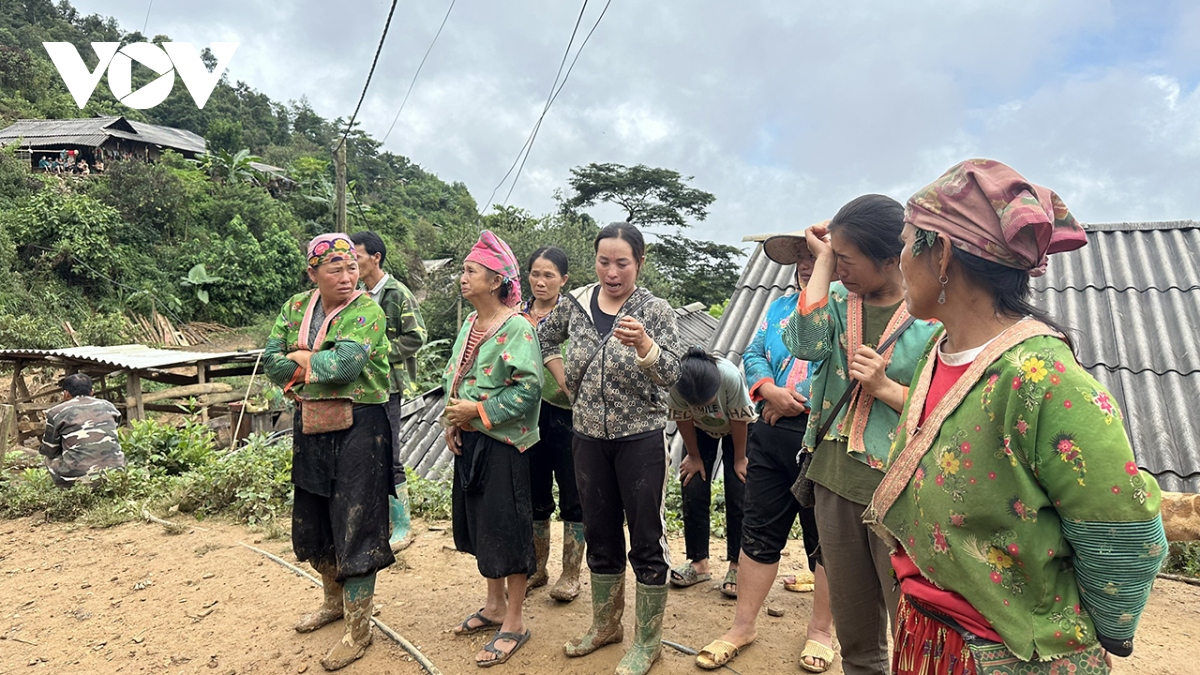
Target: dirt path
x=133 y=599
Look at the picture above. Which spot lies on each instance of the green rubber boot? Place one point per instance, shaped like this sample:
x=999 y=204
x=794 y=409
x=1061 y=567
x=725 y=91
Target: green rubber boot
x=400 y=515
x=608 y=605
x=541 y=545
x=358 y=597
x=566 y=588
x=647 y=640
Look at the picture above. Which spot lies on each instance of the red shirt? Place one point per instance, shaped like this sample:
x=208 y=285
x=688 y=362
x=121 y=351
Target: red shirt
x=912 y=583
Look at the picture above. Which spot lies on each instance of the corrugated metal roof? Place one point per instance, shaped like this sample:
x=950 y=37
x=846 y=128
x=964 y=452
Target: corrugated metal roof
x=695 y=324
x=1132 y=296
x=425 y=450
x=92 y=131
x=761 y=283
x=125 y=357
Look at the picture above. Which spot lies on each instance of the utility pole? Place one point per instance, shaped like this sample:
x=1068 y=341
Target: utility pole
x=340 y=209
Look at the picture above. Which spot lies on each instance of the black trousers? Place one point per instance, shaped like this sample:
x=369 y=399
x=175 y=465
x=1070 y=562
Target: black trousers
x=551 y=459
x=770 y=507
x=697 y=497
x=624 y=480
x=490 y=505
x=342 y=481
x=393 y=413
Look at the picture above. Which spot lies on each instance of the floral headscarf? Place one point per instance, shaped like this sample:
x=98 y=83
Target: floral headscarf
x=989 y=210
x=332 y=247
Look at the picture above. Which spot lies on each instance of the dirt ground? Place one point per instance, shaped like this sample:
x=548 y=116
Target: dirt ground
x=134 y=599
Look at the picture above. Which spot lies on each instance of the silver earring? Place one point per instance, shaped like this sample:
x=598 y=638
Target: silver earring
x=942 y=296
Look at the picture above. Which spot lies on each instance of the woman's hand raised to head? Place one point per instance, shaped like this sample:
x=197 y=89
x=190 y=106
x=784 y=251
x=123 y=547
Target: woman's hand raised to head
x=817 y=238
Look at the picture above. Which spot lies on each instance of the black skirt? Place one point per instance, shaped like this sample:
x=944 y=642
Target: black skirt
x=493 y=512
x=342 y=481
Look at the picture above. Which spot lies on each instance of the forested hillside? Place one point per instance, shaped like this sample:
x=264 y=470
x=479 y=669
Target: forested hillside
x=92 y=250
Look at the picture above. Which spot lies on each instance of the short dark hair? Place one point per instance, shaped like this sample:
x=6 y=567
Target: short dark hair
x=78 y=384
x=555 y=255
x=873 y=224
x=371 y=242
x=629 y=233
x=699 y=378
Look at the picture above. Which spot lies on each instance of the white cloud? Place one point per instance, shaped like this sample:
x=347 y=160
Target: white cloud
x=784 y=109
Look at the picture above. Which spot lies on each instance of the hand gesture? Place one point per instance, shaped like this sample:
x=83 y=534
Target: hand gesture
x=817 y=237
x=689 y=467
x=454 y=440
x=739 y=468
x=460 y=413
x=869 y=369
x=302 y=358
x=786 y=402
x=631 y=333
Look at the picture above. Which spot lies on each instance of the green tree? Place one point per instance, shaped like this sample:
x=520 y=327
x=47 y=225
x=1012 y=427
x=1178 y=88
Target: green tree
x=696 y=271
x=650 y=196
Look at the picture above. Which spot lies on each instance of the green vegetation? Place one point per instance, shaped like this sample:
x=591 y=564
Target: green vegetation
x=178 y=469
x=214 y=240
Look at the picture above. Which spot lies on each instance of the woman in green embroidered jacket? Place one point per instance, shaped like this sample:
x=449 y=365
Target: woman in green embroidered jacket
x=493 y=386
x=840 y=324
x=1028 y=536
x=329 y=350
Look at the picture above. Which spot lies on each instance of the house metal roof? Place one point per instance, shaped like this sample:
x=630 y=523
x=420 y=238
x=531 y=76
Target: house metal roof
x=1132 y=298
x=425 y=449
x=125 y=357
x=93 y=131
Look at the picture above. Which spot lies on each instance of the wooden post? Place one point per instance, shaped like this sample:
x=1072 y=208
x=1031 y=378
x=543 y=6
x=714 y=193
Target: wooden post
x=8 y=418
x=202 y=378
x=134 y=391
x=339 y=221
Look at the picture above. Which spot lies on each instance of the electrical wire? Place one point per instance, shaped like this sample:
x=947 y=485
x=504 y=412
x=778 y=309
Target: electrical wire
x=147 y=21
x=387 y=24
x=419 y=67
x=549 y=98
x=538 y=126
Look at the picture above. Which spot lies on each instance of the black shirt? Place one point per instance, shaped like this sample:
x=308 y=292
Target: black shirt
x=604 y=322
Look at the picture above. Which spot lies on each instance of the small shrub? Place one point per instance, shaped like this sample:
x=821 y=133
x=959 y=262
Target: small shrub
x=252 y=484
x=430 y=498
x=166 y=449
x=1183 y=558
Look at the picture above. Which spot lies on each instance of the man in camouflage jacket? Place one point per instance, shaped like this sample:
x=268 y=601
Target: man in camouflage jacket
x=406 y=335
x=81 y=441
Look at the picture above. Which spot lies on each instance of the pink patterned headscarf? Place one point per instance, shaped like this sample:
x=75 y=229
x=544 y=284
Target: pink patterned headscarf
x=989 y=210
x=331 y=247
x=491 y=252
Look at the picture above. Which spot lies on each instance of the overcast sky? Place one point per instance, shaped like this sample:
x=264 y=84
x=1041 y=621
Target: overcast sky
x=785 y=109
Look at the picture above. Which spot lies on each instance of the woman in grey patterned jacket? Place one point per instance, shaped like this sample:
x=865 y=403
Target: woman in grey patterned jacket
x=622 y=356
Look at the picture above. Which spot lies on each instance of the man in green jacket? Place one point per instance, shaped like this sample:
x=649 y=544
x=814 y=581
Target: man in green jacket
x=406 y=334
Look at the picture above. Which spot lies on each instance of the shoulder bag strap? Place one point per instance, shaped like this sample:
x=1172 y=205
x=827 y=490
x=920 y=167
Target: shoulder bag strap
x=837 y=408
x=600 y=345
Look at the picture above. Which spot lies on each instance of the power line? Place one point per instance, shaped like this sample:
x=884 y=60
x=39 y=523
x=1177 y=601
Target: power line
x=538 y=126
x=549 y=98
x=419 y=67
x=147 y=21
x=367 y=84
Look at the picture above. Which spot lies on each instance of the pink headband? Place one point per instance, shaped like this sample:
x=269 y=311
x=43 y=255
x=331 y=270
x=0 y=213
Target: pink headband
x=491 y=252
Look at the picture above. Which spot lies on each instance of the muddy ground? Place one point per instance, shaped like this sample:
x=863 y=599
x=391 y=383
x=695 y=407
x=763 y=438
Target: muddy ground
x=135 y=599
